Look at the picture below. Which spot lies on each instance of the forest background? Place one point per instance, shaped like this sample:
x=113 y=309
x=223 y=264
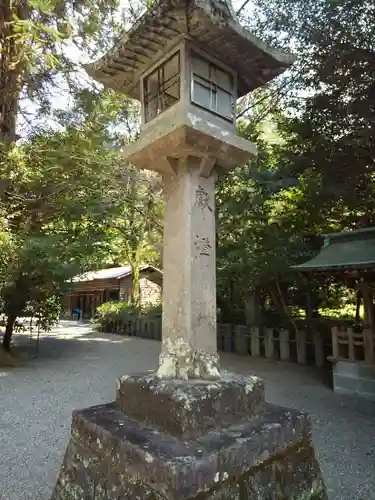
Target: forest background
x=69 y=204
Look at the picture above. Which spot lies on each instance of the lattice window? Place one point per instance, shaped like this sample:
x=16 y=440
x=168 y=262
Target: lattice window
x=212 y=88
x=162 y=87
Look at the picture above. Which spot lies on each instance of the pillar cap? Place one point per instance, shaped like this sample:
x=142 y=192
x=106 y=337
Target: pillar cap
x=188 y=135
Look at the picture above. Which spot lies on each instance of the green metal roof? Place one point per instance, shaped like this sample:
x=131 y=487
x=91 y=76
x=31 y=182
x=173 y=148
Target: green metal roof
x=347 y=250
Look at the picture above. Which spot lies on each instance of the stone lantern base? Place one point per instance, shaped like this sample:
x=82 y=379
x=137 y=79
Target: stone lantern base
x=190 y=440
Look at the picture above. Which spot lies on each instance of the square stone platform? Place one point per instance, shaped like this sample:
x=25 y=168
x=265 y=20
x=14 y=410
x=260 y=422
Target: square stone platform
x=182 y=440
x=187 y=409
x=354 y=379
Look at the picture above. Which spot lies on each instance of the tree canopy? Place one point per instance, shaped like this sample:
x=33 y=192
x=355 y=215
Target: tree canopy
x=318 y=176
x=69 y=203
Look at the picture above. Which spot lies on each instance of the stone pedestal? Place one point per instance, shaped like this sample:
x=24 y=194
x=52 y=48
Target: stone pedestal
x=355 y=379
x=181 y=440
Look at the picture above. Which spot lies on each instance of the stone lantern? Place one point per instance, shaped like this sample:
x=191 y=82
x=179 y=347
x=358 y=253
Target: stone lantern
x=188 y=62
x=189 y=430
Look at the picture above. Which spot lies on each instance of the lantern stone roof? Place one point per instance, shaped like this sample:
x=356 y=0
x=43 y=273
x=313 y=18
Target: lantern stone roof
x=211 y=24
x=350 y=250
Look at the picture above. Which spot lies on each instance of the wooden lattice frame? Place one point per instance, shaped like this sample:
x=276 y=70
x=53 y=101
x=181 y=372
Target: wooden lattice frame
x=350 y=341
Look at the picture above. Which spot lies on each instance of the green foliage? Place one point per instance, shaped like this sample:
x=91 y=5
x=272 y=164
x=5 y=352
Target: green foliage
x=114 y=311
x=332 y=102
x=152 y=310
x=38 y=52
x=346 y=311
x=135 y=227
x=136 y=231
x=46 y=311
x=56 y=210
x=259 y=233
x=68 y=204
x=56 y=193
x=122 y=312
x=315 y=170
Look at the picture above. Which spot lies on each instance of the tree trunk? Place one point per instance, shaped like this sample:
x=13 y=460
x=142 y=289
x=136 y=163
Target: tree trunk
x=253 y=309
x=8 y=332
x=11 y=67
x=225 y=310
x=279 y=301
x=358 y=306
x=368 y=305
x=136 y=282
x=309 y=308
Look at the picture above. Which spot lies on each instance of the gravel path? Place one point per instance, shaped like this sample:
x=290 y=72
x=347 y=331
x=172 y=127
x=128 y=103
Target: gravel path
x=77 y=368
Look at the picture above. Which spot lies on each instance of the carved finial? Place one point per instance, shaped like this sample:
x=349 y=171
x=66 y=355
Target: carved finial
x=227 y=4
x=225 y=7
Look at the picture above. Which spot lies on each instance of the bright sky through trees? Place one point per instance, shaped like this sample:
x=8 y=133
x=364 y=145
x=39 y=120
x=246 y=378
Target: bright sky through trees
x=61 y=98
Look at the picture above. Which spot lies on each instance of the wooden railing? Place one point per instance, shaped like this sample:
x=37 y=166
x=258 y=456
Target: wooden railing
x=302 y=347
x=353 y=346
x=273 y=343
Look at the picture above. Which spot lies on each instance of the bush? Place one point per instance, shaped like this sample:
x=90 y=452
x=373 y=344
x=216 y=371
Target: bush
x=118 y=311
x=152 y=310
x=112 y=311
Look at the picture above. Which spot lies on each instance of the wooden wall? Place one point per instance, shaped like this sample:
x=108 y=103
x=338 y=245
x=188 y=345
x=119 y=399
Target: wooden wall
x=150 y=282
x=126 y=286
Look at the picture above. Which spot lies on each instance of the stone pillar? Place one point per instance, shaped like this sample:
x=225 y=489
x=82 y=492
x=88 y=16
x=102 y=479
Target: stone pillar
x=189 y=294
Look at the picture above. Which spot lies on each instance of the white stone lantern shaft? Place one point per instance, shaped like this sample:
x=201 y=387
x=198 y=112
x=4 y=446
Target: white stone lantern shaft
x=189 y=295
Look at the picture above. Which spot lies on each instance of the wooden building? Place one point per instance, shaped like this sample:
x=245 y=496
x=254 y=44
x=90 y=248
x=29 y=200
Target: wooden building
x=92 y=289
x=350 y=256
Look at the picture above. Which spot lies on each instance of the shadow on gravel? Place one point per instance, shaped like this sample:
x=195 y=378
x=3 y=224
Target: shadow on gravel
x=68 y=339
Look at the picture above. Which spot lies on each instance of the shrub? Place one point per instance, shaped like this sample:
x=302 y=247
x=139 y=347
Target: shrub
x=112 y=311
x=152 y=310
x=118 y=311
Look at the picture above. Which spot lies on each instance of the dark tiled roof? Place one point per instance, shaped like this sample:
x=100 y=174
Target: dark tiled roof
x=212 y=23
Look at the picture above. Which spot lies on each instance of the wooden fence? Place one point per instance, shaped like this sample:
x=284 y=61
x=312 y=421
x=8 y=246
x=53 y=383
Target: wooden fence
x=303 y=347
x=356 y=346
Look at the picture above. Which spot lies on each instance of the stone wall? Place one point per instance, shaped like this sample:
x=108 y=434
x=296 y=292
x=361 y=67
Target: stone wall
x=150 y=292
